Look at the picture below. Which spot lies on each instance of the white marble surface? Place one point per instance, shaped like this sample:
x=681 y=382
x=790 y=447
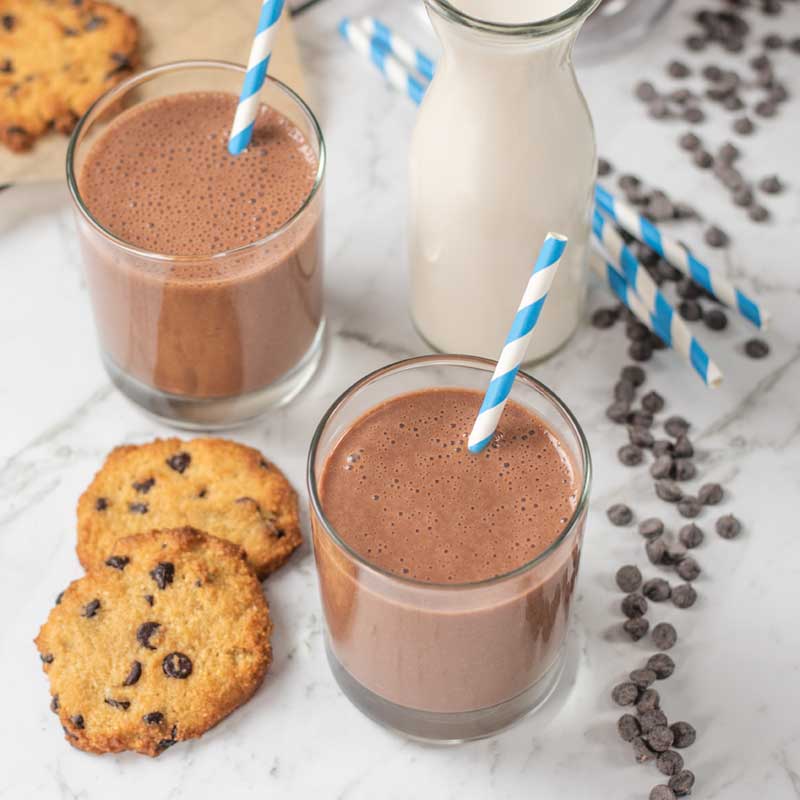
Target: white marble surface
x=738 y=677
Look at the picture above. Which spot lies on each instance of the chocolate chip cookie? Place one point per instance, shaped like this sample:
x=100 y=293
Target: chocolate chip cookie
x=157 y=644
x=218 y=486
x=56 y=58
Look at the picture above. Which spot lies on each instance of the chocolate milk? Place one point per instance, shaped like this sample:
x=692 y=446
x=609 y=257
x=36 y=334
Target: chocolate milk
x=204 y=322
x=401 y=490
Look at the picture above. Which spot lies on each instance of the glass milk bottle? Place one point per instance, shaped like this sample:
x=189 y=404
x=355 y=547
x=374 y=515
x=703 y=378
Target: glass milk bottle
x=503 y=152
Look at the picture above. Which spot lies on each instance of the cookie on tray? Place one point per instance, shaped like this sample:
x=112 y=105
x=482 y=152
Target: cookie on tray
x=56 y=58
x=216 y=485
x=156 y=645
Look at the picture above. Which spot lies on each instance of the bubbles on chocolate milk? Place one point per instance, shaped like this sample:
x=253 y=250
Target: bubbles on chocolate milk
x=169 y=157
x=450 y=515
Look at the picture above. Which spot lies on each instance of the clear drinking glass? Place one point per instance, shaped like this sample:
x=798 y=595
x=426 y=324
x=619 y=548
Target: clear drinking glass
x=445 y=662
x=219 y=349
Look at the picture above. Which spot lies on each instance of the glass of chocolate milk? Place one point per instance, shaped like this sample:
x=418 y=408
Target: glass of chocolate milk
x=204 y=269
x=446 y=577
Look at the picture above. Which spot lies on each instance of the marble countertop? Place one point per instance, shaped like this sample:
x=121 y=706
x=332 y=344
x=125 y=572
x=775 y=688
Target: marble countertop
x=738 y=677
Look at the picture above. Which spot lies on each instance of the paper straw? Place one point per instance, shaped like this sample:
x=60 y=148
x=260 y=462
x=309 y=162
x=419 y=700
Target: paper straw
x=396 y=74
x=517 y=342
x=690 y=349
x=245 y=117
x=411 y=57
x=679 y=256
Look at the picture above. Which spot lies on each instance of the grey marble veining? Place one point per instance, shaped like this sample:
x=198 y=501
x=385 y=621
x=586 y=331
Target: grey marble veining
x=738 y=676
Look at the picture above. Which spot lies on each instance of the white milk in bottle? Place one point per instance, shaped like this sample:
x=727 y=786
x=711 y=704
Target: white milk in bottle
x=503 y=152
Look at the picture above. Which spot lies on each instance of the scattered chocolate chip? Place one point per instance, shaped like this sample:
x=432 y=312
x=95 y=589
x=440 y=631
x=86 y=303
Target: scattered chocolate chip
x=660 y=738
x=756 y=348
x=630 y=455
x=688 y=569
x=641 y=350
x=712 y=73
x=733 y=103
x=710 y=494
x=648 y=701
x=682 y=783
x=179 y=462
x=676 y=426
x=634 y=374
x=636 y=331
x=728 y=153
x=138 y=508
x=690 y=310
x=664 y=635
x=77 y=721
x=134 y=674
x=675 y=552
x=145 y=632
x=661 y=792
x=656 y=550
x=651 y=527
x=603 y=167
x=653 y=402
x=618 y=411
x=662 y=467
x=620 y=514
x=122 y=705
x=703 y=159
x=629 y=578
x=101 y=504
x=684 y=733
x=645 y=91
x=91 y=609
x=143 y=487
x=728 y=527
x=634 y=605
x=662 y=665
x=640 y=419
x=643 y=677
x=668 y=491
x=669 y=762
x=758 y=213
x=628 y=727
x=771 y=184
x=662 y=447
x=640 y=437
x=624 y=390
x=694 y=115
x=163 y=574
x=652 y=719
x=683 y=447
x=656 y=589
x=690 y=141
x=153 y=718
x=766 y=109
x=684 y=469
x=690 y=535
x=677 y=69
x=641 y=750
x=715 y=319
x=48 y=658
x=625 y=694
x=743 y=196
x=684 y=595
x=688 y=289
x=636 y=628
x=689 y=507
x=604 y=318
x=716 y=237
x=117 y=562
x=743 y=126
x=177 y=665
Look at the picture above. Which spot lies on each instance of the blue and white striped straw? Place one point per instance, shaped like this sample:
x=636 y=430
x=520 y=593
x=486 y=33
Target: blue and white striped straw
x=663 y=327
x=260 y=52
x=517 y=342
x=412 y=57
x=679 y=256
x=396 y=74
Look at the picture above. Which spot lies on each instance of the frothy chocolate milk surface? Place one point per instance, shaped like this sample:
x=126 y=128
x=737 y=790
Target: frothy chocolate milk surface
x=402 y=489
x=161 y=177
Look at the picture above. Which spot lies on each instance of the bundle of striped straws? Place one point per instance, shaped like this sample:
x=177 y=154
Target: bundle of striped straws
x=409 y=70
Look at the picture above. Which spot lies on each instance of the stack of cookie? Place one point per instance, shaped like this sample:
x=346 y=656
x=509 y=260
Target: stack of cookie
x=168 y=631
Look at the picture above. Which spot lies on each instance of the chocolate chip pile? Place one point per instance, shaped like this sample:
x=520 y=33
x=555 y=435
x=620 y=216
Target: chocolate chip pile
x=695 y=305
x=755 y=91
x=665 y=445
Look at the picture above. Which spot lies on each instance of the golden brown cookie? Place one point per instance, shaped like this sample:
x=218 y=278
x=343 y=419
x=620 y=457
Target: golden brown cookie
x=158 y=644
x=218 y=486
x=56 y=58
